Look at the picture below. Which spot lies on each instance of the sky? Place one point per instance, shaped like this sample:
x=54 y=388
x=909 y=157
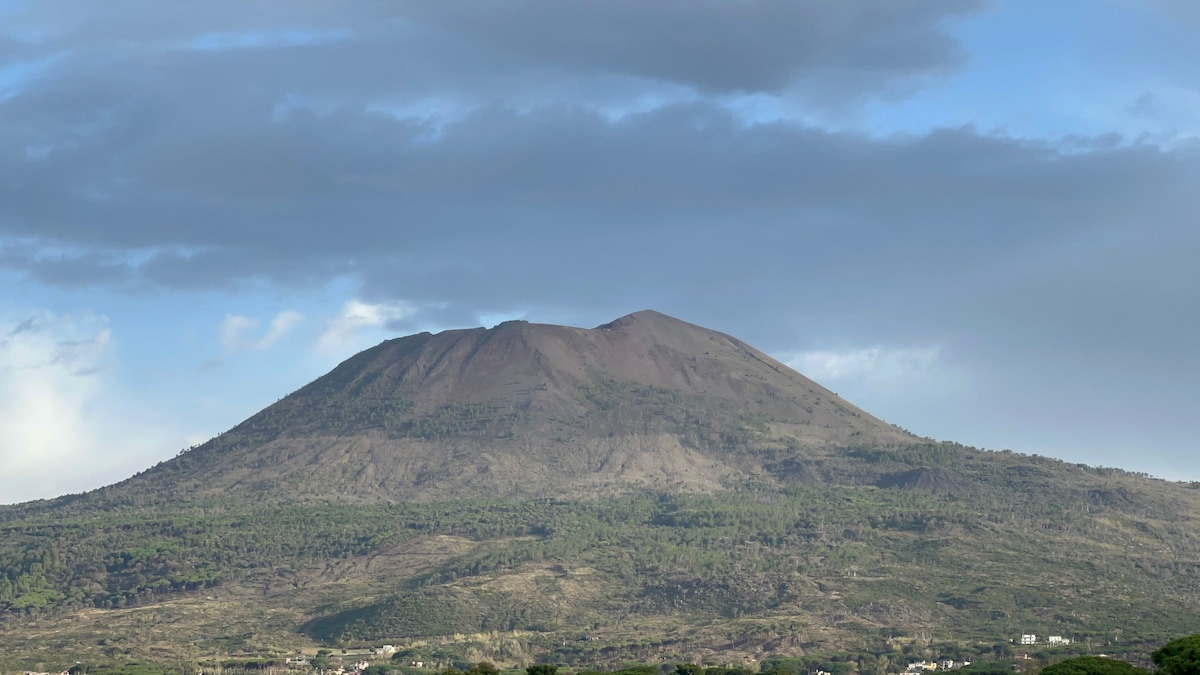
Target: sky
x=976 y=219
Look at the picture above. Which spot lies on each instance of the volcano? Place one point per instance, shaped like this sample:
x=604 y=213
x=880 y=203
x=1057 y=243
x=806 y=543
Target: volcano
x=525 y=409
x=644 y=489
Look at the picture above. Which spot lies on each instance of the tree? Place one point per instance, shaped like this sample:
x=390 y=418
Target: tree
x=1179 y=657
x=541 y=669
x=688 y=669
x=484 y=668
x=838 y=667
x=1092 y=665
x=784 y=665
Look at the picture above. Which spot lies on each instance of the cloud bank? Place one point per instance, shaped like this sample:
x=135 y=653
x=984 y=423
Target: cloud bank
x=66 y=421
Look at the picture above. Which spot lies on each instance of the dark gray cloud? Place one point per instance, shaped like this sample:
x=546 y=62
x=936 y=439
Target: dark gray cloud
x=242 y=136
x=685 y=205
x=10 y=50
x=713 y=45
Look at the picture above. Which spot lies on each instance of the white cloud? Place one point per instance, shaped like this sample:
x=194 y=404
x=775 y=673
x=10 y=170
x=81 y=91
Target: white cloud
x=238 y=332
x=234 y=331
x=348 y=331
x=877 y=365
x=910 y=386
x=66 y=425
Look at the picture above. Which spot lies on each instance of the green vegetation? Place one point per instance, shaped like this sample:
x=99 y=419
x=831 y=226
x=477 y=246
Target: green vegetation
x=694 y=419
x=458 y=420
x=129 y=668
x=859 y=555
x=1092 y=665
x=1179 y=657
x=118 y=559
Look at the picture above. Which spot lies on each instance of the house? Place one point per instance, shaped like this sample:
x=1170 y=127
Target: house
x=946 y=664
x=1029 y=639
x=386 y=650
x=1059 y=640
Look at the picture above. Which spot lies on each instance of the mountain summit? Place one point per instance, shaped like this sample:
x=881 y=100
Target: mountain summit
x=524 y=408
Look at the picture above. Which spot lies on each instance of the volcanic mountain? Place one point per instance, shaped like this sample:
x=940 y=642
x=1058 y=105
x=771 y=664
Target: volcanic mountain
x=524 y=409
x=644 y=490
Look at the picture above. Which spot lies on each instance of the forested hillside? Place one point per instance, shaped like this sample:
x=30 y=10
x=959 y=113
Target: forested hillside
x=978 y=545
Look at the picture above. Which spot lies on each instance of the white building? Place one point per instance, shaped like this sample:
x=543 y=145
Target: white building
x=1059 y=640
x=1029 y=639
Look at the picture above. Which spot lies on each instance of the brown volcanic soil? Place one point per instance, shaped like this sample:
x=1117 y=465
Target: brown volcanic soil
x=524 y=408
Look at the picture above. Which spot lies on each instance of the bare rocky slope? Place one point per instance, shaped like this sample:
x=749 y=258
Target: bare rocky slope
x=522 y=409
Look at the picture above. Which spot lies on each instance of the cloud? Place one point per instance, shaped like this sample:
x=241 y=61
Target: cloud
x=576 y=216
x=1170 y=110
x=876 y=364
x=222 y=41
x=151 y=145
x=1147 y=104
x=501 y=184
x=233 y=331
x=307 y=158
x=67 y=424
x=238 y=332
x=347 y=331
x=581 y=160
x=708 y=44
x=911 y=386
x=711 y=45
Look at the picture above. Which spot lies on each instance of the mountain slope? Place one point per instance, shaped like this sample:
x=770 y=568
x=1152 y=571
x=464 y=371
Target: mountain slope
x=521 y=409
